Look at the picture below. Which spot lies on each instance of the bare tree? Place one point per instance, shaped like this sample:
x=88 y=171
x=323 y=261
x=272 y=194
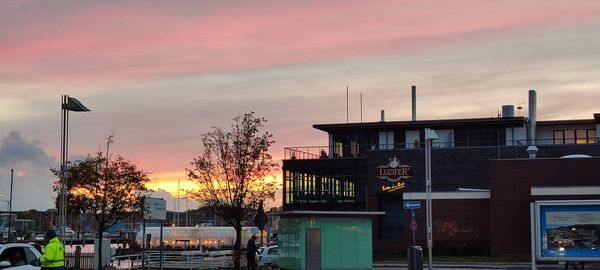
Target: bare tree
x=111 y=189
x=231 y=171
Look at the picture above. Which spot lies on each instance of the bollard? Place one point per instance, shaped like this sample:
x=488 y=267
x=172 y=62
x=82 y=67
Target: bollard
x=77 y=260
x=415 y=258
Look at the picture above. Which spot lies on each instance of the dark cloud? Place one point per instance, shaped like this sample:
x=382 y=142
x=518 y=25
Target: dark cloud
x=32 y=179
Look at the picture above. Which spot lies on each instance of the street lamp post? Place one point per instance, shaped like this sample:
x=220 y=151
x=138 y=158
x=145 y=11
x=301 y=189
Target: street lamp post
x=10 y=205
x=67 y=104
x=430 y=135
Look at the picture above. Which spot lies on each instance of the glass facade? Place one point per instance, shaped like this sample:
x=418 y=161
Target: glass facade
x=320 y=187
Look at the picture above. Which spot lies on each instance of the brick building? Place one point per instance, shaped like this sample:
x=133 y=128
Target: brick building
x=376 y=166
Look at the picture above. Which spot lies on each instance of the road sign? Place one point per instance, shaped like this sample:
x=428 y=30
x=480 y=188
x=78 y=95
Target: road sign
x=412 y=205
x=156 y=209
x=413 y=225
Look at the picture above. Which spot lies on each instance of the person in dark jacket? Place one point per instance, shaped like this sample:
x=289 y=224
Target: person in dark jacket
x=251 y=253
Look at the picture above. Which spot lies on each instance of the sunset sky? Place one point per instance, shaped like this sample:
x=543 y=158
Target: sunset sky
x=160 y=73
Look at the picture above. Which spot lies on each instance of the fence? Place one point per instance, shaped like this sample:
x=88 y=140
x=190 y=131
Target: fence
x=171 y=260
x=354 y=149
x=78 y=260
x=189 y=259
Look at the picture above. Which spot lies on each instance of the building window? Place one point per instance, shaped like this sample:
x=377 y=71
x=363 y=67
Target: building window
x=386 y=140
x=338 y=150
x=354 y=148
x=574 y=136
x=559 y=137
x=325 y=189
x=591 y=135
x=445 y=138
x=290 y=188
x=348 y=189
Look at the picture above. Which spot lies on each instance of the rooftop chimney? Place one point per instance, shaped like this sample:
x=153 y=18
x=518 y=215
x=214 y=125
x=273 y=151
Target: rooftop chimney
x=382 y=115
x=532 y=116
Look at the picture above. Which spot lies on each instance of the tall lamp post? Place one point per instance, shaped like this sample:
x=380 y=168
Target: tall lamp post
x=430 y=135
x=67 y=104
x=10 y=205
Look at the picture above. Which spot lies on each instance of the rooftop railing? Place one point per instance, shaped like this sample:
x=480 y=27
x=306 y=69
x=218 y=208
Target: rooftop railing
x=357 y=150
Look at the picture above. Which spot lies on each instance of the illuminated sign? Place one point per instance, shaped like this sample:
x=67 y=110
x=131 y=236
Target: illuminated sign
x=567 y=230
x=395 y=173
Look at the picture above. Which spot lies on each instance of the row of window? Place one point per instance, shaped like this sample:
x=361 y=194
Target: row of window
x=353 y=143
x=575 y=136
x=311 y=188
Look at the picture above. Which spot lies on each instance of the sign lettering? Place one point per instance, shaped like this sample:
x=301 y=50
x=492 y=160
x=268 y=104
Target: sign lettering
x=393 y=187
x=395 y=173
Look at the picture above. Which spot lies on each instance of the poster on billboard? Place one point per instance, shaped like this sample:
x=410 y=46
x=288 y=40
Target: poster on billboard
x=567 y=230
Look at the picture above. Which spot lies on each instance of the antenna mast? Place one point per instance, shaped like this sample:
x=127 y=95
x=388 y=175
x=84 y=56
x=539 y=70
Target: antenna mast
x=361 y=107
x=346 y=104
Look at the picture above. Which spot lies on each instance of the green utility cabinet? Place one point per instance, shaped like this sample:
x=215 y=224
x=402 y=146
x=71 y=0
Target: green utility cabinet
x=324 y=240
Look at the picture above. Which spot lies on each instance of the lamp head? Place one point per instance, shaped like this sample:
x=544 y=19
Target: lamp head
x=430 y=134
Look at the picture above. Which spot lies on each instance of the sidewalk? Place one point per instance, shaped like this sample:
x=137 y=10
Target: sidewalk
x=475 y=266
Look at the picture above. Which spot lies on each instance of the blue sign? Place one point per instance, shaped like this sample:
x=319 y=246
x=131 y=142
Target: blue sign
x=569 y=231
x=412 y=205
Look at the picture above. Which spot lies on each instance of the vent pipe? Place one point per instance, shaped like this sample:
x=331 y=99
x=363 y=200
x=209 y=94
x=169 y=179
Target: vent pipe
x=414 y=102
x=532 y=116
x=382 y=115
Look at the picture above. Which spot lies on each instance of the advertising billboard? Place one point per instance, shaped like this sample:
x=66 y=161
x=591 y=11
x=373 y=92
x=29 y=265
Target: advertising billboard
x=155 y=209
x=567 y=230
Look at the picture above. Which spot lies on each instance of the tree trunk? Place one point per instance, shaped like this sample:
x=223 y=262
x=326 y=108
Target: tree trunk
x=237 y=246
x=100 y=235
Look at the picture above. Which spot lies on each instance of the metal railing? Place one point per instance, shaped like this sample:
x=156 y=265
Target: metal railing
x=175 y=260
x=79 y=260
x=357 y=150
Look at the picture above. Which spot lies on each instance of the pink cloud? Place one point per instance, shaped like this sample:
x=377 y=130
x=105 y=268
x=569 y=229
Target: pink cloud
x=124 y=41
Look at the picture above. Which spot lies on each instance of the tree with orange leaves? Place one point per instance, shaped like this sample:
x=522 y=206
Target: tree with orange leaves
x=231 y=170
x=110 y=188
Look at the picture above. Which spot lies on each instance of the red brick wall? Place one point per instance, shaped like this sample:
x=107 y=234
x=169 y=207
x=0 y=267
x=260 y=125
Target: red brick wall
x=511 y=182
x=460 y=227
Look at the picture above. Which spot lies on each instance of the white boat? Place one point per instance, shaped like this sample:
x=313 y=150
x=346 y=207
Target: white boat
x=195 y=238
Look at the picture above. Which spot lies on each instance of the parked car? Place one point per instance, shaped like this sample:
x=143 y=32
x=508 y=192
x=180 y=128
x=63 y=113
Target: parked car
x=19 y=256
x=70 y=234
x=267 y=256
x=39 y=237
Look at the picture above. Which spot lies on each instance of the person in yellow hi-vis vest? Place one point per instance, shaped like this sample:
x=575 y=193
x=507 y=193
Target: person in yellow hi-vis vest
x=54 y=252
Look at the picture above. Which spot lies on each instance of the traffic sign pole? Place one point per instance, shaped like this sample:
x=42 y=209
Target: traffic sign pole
x=414 y=244
x=412 y=215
